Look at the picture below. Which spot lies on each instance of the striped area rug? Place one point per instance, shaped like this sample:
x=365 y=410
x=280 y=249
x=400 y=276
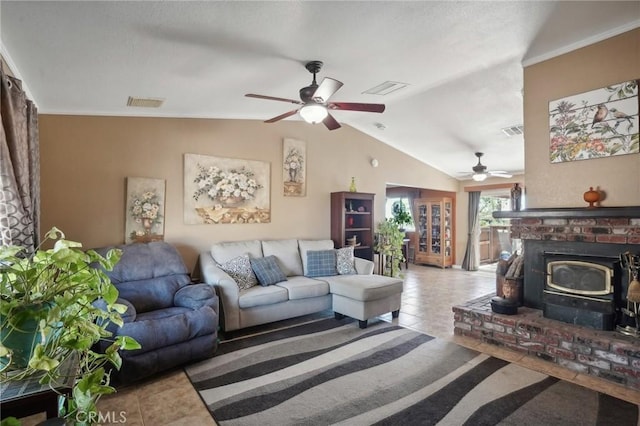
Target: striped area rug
x=332 y=372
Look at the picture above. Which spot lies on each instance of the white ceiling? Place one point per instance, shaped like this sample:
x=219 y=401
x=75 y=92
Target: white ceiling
x=462 y=60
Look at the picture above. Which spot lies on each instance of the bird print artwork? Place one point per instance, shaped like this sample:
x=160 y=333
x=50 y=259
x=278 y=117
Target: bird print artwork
x=598 y=123
x=601 y=114
x=620 y=117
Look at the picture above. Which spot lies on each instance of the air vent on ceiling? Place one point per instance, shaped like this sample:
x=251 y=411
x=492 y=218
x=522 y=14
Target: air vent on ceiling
x=386 y=88
x=145 y=102
x=513 y=130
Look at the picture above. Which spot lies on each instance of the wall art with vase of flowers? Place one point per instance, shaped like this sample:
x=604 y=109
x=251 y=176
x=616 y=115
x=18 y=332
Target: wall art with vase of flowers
x=220 y=190
x=145 y=210
x=294 y=168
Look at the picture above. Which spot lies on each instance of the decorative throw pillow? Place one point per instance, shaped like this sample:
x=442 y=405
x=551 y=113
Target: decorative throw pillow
x=239 y=268
x=321 y=263
x=267 y=270
x=345 y=263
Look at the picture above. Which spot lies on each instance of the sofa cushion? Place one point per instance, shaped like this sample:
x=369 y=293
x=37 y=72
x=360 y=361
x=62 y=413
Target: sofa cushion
x=321 y=263
x=267 y=270
x=364 y=287
x=345 y=261
x=239 y=268
x=260 y=296
x=306 y=245
x=225 y=251
x=286 y=251
x=300 y=287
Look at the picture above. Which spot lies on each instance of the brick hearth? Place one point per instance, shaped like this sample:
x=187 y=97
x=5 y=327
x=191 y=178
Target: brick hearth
x=604 y=354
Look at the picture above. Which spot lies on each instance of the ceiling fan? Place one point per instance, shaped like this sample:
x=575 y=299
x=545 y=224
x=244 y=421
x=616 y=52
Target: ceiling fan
x=480 y=171
x=315 y=101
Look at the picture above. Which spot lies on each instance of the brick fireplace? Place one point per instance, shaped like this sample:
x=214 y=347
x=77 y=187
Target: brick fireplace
x=576 y=338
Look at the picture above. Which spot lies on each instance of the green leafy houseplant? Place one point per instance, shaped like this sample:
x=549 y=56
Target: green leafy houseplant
x=389 y=244
x=401 y=216
x=56 y=289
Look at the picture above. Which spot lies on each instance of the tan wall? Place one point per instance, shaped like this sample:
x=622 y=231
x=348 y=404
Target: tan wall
x=85 y=161
x=562 y=185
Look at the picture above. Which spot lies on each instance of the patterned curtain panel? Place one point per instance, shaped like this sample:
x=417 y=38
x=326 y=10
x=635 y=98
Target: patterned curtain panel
x=471 y=261
x=19 y=166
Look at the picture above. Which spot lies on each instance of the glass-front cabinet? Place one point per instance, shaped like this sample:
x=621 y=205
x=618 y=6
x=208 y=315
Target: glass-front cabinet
x=434 y=228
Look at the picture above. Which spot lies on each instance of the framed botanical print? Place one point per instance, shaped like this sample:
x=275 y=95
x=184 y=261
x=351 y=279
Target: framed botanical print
x=219 y=190
x=595 y=124
x=144 y=210
x=294 y=168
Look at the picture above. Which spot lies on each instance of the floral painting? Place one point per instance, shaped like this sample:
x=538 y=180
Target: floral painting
x=595 y=124
x=294 y=168
x=220 y=190
x=144 y=210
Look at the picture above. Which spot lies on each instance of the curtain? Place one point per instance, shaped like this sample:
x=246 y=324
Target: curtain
x=471 y=260
x=19 y=166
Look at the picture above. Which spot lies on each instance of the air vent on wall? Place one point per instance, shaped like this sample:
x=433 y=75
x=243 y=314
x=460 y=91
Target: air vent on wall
x=513 y=130
x=145 y=102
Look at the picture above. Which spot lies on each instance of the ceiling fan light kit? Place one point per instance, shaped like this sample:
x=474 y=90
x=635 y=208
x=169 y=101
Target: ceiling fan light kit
x=479 y=177
x=480 y=172
x=313 y=113
x=314 y=101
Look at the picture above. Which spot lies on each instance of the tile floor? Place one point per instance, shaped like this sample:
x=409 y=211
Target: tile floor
x=428 y=296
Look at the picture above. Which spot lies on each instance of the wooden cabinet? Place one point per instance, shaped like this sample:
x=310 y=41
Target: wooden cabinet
x=352 y=216
x=434 y=228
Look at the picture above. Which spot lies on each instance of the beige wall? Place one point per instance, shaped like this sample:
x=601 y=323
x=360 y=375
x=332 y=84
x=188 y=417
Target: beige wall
x=85 y=161
x=562 y=185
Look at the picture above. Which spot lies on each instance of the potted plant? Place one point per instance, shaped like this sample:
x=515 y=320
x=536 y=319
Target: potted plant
x=49 y=302
x=389 y=240
x=401 y=216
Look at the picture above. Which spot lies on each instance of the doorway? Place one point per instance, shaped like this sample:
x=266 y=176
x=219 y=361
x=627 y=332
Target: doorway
x=495 y=234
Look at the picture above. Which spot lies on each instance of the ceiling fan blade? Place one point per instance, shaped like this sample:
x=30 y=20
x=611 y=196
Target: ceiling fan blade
x=272 y=98
x=501 y=174
x=327 y=88
x=281 y=116
x=353 y=106
x=331 y=122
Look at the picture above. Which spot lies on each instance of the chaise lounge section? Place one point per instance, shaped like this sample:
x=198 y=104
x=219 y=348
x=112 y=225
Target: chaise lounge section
x=311 y=276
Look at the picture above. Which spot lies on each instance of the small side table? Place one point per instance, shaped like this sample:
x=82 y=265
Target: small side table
x=405 y=251
x=21 y=398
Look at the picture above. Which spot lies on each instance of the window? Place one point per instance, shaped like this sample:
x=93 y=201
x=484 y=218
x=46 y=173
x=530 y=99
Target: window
x=490 y=204
x=388 y=212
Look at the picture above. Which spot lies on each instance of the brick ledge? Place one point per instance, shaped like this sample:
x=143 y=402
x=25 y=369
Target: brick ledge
x=605 y=355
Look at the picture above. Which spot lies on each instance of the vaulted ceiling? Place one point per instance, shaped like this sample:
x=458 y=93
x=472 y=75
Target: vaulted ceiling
x=462 y=62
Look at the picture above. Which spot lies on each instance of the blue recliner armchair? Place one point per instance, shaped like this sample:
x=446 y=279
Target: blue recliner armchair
x=174 y=320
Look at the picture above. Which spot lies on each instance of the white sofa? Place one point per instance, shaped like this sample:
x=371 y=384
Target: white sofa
x=298 y=295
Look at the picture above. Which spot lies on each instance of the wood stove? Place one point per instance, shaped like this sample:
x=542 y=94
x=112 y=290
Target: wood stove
x=582 y=289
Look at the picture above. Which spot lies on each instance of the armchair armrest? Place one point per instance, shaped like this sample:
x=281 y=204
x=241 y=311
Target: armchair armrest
x=195 y=296
x=128 y=316
x=226 y=287
x=211 y=274
x=363 y=266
